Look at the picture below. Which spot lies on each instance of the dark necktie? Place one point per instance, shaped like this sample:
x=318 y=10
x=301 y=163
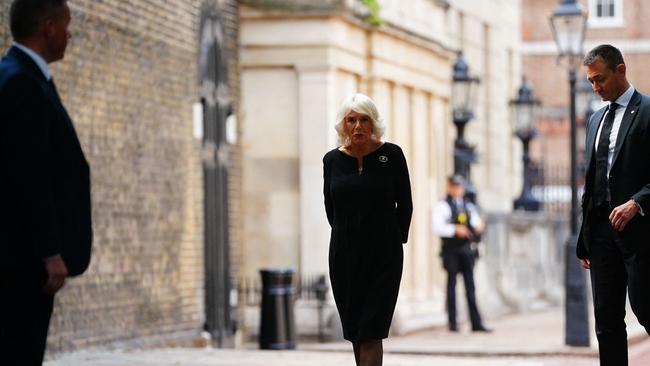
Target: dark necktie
x=600 y=174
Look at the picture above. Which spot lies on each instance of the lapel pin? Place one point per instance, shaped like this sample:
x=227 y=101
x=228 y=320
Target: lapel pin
x=383 y=158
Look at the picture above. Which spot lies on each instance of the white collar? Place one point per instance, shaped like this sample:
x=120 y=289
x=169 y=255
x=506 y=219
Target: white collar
x=40 y=61
x=625 y=98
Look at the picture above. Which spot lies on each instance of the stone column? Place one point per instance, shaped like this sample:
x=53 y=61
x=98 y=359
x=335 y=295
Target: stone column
x=317 y=112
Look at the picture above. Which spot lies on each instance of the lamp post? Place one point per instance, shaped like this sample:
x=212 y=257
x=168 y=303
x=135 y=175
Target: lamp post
x=585 y=98
x=463 y=101
x=524 y=108
x=568 y=23
x=586 y=104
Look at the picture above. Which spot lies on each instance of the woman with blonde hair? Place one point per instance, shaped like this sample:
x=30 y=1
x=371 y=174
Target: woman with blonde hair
x=368 y=204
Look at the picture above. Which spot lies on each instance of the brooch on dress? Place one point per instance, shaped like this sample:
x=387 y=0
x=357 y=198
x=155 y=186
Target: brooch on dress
x=383 y=158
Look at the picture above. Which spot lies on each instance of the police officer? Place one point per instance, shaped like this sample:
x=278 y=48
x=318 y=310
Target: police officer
x=458 y=224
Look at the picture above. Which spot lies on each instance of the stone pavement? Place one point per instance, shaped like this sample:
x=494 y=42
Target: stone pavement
x=535 y=334
x=640 y=354
x=196 y=357
x=533 y=339
x=532 y=334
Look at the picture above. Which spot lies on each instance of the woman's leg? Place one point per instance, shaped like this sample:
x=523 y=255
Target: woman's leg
x=371 y=353
x=355 y=346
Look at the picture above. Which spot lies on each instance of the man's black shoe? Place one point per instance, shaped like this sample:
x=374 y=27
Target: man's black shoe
x=453 y=328
x=482 y=329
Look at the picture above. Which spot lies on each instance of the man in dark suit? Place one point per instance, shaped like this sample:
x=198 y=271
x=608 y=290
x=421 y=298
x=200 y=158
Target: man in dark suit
x=613 y=241
x=45 y=222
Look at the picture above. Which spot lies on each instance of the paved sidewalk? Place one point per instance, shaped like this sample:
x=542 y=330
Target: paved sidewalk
x=531 y=334
x=533 y=339
x=523 y=335
x=194 y=357
x=640 y=354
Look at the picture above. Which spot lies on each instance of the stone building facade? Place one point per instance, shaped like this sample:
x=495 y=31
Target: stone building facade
x=300 y=59
x=129 y=80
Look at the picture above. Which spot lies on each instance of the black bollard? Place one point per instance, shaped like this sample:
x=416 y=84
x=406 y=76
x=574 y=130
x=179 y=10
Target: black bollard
x=277 y=327
x=289 y=296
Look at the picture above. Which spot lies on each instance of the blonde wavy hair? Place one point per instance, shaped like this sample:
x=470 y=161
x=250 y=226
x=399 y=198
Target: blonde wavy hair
x=362 y=104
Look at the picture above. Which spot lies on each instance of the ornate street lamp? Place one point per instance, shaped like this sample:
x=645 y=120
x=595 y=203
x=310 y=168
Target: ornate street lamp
x=568 y=23
x=463 y=96
x=524 y=108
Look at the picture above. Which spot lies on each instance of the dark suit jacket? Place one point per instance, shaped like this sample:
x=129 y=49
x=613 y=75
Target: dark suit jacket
x=629 y=176
x=45 y=204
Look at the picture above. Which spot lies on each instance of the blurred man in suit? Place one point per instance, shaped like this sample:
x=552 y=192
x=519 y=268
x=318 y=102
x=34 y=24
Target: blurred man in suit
x=45 y=221
x=613 y=241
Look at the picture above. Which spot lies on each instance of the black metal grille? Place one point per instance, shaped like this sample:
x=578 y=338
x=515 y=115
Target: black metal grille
x=308 y=288
x=551 y=185
x=214 y=97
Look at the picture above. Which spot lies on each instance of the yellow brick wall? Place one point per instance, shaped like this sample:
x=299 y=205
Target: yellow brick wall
x=129 y=80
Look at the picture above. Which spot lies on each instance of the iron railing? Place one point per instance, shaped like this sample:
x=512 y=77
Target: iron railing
x=551 y=186
x=309 y=288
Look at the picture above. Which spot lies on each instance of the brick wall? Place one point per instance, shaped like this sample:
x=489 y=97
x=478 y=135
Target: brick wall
x=536 y=25
x=549 y=81
x=542 y=67
x=129 y=80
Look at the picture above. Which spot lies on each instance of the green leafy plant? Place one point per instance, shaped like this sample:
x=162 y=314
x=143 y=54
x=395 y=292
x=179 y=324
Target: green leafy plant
x=373 y=6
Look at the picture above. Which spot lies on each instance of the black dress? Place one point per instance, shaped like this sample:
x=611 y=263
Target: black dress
x=370 y=214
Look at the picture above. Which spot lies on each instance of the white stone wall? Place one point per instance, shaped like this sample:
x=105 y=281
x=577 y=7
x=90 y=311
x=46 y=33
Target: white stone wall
x=271 y=171
x=488 y=33
x=524 y=257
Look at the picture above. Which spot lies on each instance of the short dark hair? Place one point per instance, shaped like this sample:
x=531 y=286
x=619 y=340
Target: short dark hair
x=26 y=15
x=606 y=53
x=456 y=179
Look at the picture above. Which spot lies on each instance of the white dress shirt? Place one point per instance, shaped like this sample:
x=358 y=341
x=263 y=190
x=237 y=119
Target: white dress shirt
x=622 y=102
x=442 y=220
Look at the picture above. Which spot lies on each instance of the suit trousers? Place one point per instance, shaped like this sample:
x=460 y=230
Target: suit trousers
x=459 y=259
x=25 y=312
x=612 y=274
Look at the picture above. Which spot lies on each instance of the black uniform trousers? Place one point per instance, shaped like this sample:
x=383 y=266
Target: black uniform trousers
x=25 y=312
x=458 y=258
x=611 y=276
